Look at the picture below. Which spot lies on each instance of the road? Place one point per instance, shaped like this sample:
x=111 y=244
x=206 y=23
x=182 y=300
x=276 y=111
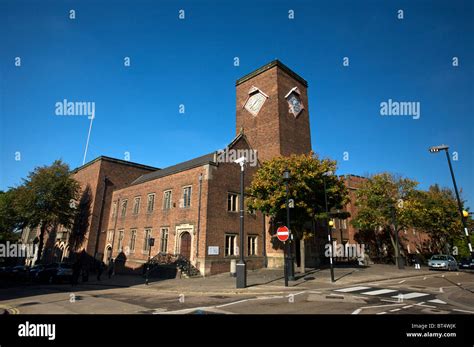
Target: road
x=433 y=293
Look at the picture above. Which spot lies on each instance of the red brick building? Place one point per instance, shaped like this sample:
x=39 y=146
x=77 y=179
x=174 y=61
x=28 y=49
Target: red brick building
x=191 y=208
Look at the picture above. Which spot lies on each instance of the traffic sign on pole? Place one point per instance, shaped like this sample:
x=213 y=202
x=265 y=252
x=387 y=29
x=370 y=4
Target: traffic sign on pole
x=283 y=233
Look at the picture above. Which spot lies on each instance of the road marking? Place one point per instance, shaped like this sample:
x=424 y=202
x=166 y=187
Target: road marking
x=424 y=305
x=455 y=309
x=395 y=310
x=441 y=290
x=351 y=289
x=381 y=313
x=408 y=306
x=377 y=306
x=411 y=295
x=424 y=278
x=402 y=281
x=437 y=301
x=357 y=311
x=380 y=291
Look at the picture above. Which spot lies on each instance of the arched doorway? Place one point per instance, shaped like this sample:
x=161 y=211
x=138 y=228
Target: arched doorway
x=108 y=253
x=185 y=245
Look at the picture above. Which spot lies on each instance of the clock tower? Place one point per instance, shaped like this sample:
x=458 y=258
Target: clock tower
x=272 y=111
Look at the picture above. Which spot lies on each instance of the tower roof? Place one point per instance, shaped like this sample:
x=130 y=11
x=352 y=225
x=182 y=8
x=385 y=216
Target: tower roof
x=268 y=66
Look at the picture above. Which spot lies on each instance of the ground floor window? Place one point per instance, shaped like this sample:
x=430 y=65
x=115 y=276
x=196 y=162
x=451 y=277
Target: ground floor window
x=252 y=245
x=164 y=240
x=120 y=241
x=133 y=239
x=146 y=244
x=230 y=245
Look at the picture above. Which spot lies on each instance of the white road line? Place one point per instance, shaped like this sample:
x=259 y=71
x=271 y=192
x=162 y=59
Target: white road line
x=357 y=311
x=437 y=301
x=411 y=295
x=395 y=310
x=377 y=306
x=441 y=290
x=402 y=281
x=351 y=289
x=408 y=306
x=378 y=292
x=455 y=309
x=424 y=305
x=381 y=313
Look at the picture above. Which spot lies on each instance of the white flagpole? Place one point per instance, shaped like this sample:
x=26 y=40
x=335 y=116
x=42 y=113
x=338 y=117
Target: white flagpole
x=88 y=136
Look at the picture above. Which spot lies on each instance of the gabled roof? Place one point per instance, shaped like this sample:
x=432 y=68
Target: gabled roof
x=203 y=160
x=116 y=161
x=210 y=158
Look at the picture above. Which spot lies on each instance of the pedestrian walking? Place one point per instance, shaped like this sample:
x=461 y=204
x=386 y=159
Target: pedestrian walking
x=111 y=268
x=417 y=262
x=100 y=270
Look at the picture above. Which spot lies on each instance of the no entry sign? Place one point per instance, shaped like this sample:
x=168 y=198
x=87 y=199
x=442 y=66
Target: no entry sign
x=283 y=233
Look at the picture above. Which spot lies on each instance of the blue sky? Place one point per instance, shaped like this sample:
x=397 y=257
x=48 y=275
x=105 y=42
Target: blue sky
x=190 y=62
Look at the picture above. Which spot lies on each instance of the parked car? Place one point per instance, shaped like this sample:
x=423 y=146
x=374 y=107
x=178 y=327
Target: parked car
x=466 y=263
x=6 y=272
x=20 y=272
x=55 y=273
x=442 y=262
x=34 y=271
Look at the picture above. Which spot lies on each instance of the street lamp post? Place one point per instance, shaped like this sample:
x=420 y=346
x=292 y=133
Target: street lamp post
x=151 y=243
x=436 y=149
x=328 y=226
x=398 y=259
x=289 y=254
x=241 y=267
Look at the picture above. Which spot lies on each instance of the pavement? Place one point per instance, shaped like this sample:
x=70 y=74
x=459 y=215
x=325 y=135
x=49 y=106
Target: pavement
x=378 y=289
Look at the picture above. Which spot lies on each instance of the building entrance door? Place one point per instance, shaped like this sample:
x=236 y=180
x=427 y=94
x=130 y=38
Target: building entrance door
x=185 y=248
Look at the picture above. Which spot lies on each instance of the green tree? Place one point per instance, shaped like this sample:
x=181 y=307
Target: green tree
x=10 y=221
x=381 y=200
x=45 y=199
x=440 y=219
x=267 y=192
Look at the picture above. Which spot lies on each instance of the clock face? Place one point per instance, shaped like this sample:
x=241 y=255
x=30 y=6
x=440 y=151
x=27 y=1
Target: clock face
x=255 y=103
x=295 y=104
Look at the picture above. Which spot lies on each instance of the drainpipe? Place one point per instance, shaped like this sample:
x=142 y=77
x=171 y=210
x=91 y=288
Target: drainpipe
x=264 y=239
x=199 y=217
x=100 y=218
x=115 y=227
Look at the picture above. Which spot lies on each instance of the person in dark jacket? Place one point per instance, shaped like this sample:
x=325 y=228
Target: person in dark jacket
x=100 y=270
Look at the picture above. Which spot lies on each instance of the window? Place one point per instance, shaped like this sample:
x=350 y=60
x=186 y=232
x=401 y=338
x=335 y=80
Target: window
x=252 y=245
x=120 y=241
x=186 y=197
x=343 y=224
x=114 y=209
x=110 y=235
x=146 y=246
x=133 y=239
x=230 y=245
x=124 y=208
x=150 y=203
x=167 y=200
x=232 y=202
x=136 y=205
x=164 y=240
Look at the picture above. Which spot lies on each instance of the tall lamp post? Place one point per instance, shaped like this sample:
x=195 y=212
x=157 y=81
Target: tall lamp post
x=436 y=149
x=289 y=254
x=241 y=267
x=398 y=259
x=328 y=226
